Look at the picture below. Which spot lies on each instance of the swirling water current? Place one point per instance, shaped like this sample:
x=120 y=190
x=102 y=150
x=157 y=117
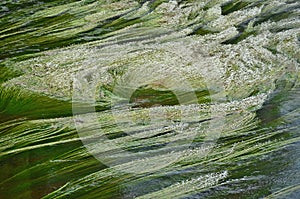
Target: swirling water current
x=149 y=99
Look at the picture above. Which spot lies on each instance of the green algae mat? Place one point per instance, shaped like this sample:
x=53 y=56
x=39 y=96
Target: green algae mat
x=149 y=99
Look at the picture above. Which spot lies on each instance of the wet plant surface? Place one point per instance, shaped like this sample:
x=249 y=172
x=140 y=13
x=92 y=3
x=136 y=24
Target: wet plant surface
x=149 y=99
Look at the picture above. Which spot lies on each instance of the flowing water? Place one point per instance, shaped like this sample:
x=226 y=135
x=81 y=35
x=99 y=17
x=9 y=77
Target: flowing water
x=149 y=99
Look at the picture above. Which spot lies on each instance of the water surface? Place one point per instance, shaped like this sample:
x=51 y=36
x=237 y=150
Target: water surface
x=149 y=99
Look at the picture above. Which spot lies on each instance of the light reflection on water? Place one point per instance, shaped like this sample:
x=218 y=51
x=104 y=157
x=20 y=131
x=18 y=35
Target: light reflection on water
x=257 y=153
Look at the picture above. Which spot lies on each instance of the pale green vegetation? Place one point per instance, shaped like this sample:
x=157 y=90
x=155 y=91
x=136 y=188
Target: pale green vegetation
x=219 y=79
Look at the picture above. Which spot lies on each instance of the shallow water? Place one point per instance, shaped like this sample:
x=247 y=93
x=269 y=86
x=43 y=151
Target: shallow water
x=149 y=99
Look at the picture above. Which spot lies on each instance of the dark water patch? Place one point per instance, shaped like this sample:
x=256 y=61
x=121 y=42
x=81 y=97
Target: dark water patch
x=277 y=15
x=141 y=38
x=40 y=159
x=273 y=16
x=243 y=33
x=249 y=177
x=108 y=25
x=202 y=31
x=96 y=32
x=147 y=97
x=239 y=37
x=232 y=6
x=281 y=29
x=116 y=135
x=259 y=172
x=160 y=134
x=271 y=109
x=148 y=148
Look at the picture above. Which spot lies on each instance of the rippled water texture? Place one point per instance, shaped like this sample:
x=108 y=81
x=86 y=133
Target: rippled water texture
x=149 y=99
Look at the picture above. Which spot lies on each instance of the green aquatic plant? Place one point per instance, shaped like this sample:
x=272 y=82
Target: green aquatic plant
x=149 y=99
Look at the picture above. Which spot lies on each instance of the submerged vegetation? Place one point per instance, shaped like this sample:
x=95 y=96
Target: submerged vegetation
x=149 y=99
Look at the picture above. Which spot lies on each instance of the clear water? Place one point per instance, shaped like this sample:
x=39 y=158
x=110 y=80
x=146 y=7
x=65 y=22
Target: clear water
x=149 y=99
